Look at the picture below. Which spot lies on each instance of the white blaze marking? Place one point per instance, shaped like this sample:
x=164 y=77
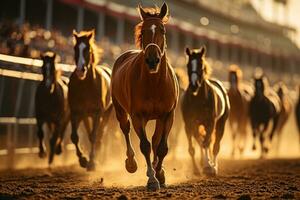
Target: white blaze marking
x=153 y=30
x=194 y=76
x=81 y=61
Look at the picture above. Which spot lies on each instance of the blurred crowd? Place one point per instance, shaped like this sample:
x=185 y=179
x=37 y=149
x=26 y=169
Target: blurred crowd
x=29 y=41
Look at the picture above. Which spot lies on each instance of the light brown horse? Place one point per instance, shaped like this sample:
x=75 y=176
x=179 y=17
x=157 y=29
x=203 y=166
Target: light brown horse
x=89 y=95
x=205 y=109
x=144 y=86
x=286 y=109
x=51 y=106
x=239 y=96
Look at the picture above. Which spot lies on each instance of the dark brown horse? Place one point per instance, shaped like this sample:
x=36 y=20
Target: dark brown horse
x=89 y=95
x=144 y=86
x=264 y=108
x=205 y=109
x=286 y=109
x=298 y=112
x=239 y=96
x=51 y=106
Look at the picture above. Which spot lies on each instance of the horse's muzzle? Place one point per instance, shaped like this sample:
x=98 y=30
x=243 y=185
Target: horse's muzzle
x=153 y=64
x=81 y=72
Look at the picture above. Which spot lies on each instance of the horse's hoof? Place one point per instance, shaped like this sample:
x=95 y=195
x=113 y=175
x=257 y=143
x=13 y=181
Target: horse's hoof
x=153 y=186
x=91 y=166
x=161 y=177
x=83 y=162
x=265 y=149
x=253 y=147
x=58 y=149
x=131 y=165
x=50 y=159
x=210 y=171
x=163 y=185
x=42 y=154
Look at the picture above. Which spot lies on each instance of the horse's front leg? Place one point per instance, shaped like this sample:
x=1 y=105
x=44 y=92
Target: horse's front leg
x=93 y=138
x=145 y=146
x=53 y=140
x=40 y=133
x=162 y=148
x=190 y=130
x=75 y=139
x=122 y=116
x=208 y=169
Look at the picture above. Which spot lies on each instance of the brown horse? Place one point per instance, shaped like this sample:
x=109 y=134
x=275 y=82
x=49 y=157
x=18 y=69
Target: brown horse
x=239 y=96
x=264 y=108
x=205 y=109
x=144 y=86
x=286 y=108
x=89 y=95
x=51 y=106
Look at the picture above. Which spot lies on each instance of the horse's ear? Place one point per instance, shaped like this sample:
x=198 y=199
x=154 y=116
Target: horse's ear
x=203 y=51
x=142 y=13
x=75 y=34
x=187 y=51
x=91 y=34
x=164 y=11
x=54 y=56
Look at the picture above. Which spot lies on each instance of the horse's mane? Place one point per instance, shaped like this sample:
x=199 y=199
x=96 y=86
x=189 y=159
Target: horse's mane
x=237 y=70
x=207 y=68
x=152 y=13
x=97 y=52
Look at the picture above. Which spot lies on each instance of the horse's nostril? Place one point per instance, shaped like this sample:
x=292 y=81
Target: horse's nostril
x=157 y=60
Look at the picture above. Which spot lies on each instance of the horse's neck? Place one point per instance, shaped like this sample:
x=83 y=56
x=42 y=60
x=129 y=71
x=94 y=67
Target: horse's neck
x=203 y=90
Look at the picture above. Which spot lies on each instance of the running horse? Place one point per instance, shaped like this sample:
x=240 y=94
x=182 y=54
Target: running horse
x=51 y=106
x=144 y=87
x=89 y=95
x=264 y=108
x=205 y=109
x=285 y=110
x=239 y=96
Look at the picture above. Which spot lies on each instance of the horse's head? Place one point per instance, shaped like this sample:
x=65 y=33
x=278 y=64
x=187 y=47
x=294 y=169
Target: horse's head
x=260 y=84
x=150 y=35
x=48 y=68
x=235 y=74
x=196 y=67
x=83 y=52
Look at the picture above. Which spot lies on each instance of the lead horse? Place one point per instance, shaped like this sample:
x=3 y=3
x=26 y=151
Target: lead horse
x=205 y=109
x=144 y=87
x=89 y=95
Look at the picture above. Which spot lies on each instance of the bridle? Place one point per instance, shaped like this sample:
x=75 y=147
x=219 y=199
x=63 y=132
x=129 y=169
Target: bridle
x=162 y=52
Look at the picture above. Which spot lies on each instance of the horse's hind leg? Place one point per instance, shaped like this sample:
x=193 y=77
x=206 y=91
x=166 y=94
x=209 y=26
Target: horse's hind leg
x=122 y=116
x=190 y=131
x=162 y=148
x=75 y=139
x=40 y=133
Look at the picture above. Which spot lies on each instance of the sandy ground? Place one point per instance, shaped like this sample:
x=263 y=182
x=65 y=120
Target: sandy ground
x=237 y=179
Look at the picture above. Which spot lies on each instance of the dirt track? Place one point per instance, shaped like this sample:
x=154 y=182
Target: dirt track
x=255 y=179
